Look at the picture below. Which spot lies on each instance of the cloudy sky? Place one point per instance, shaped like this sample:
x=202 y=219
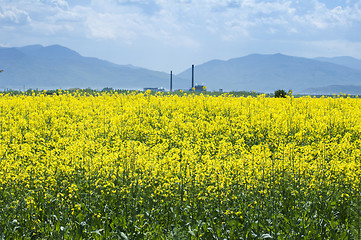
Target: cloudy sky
x=173 y=34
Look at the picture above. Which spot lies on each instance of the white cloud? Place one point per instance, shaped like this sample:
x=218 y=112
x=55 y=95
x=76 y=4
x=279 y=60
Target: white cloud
x=182 y=26
x=13 y=16
x=323 y=18
x=55 y=3
x=127 y=23
x=127 y=20
x=111 y=26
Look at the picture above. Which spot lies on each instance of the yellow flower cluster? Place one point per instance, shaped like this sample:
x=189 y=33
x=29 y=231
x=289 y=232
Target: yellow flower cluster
x=191 y=147
x=177 y=137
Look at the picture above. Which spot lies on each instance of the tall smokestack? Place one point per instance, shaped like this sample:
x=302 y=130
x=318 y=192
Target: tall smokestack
x=171 y=80
x=192 y=77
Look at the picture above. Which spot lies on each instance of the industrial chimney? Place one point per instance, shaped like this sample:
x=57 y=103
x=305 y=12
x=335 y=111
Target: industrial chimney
x=192 y=77
x=171 y=81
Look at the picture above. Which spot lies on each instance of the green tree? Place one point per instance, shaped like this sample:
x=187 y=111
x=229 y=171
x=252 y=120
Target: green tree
x=280 y=93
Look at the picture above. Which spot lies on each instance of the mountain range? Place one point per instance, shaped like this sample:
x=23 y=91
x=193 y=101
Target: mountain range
x=267 y=73
x=56 y=66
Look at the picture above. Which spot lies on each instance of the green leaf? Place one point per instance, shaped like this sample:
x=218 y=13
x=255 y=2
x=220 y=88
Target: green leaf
x=190 y=231
x=124 y=235
x=264 y=236
x=98 y=231
x=80 y=217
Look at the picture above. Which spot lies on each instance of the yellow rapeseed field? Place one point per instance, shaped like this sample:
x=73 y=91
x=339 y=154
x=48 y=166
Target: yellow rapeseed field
x=167 y=166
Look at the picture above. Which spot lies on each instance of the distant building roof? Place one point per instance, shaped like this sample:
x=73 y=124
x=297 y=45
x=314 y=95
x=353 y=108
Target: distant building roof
x=200 y=88
x=154 y=89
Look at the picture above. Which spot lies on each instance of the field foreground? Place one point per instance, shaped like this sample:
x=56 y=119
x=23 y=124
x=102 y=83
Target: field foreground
x=140 y=166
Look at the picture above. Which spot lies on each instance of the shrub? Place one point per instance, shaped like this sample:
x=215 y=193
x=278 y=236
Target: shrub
x=280 y=93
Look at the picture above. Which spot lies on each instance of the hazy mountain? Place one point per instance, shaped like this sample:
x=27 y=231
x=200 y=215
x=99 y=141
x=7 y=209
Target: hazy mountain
x=335 y=89
x=267 y=73
x=59 y=67
x=344 y=61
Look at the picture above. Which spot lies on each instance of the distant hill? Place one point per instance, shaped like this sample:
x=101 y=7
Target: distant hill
x=334 y=89
x=344 y=61
x=267 y=73
x=56 y=66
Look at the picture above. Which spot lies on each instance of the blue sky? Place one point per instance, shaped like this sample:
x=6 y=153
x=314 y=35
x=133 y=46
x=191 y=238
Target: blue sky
x=171 y=35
